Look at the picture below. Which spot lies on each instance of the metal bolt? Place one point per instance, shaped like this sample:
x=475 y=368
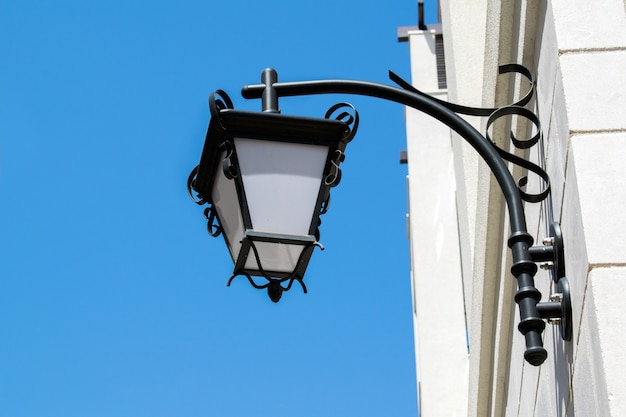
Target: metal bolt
x=548 y=241
x=557 y=297
x=547 y=265
x=555 y=321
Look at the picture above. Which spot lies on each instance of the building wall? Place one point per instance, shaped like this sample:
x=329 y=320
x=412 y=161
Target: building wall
x=577 y=50
x=433 y=233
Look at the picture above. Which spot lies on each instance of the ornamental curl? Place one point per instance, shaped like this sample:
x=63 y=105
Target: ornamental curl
x=514 y=109
x=273 y=285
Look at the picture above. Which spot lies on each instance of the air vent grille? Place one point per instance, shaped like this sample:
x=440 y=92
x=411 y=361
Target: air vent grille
x=441 y=63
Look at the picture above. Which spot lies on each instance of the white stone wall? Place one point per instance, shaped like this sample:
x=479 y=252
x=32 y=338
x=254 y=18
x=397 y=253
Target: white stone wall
x=440 y=329
x=581 y=58
x=577 y=49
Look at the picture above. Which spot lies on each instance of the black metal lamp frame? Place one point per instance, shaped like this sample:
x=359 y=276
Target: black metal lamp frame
x=219 y=158
x=525 y=256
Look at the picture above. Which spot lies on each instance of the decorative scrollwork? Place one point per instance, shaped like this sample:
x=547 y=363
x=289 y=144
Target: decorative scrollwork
x=475 y=111
x=219 y=100
x=325 y=203
x=349 y=115
x=228 y=167
x=323 y=209
x=334 y=176
x=513 y=109
x=213 y=226
x=273 y=285
x=197 y=198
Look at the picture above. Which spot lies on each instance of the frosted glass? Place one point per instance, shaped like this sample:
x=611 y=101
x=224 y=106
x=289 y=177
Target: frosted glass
x=282 y=183
x=226 y=202
x=275 y=257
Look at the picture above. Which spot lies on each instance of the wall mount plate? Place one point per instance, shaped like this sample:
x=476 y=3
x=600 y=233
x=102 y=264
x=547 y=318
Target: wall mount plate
x=551 y=253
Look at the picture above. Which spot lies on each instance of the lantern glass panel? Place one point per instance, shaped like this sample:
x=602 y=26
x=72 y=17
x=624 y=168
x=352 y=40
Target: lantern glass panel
x=276 y=257
x=282 y=184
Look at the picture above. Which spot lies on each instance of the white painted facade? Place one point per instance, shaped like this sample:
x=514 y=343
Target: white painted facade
x=433 y=234
x=457 y=223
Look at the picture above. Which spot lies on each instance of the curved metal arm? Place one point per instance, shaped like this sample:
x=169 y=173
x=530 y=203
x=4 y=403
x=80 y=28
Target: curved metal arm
x=523 y=268
x=418 y=102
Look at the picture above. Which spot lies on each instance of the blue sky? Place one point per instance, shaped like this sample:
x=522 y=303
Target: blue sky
x=113 y=298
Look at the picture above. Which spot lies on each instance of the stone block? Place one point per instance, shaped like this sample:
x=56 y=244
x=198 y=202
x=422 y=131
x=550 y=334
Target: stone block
x=595 y=90
x=582 y=24
x=600 y=172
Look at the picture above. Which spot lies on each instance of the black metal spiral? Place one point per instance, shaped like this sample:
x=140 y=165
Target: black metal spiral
x=514 y=109
x=350 y=116
x=218 y=100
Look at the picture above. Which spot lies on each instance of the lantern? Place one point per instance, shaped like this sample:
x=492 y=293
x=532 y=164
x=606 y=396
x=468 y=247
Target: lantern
x=267 y=179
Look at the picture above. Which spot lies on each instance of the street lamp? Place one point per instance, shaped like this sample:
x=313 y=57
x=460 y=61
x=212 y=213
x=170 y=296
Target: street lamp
x=267 y=176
